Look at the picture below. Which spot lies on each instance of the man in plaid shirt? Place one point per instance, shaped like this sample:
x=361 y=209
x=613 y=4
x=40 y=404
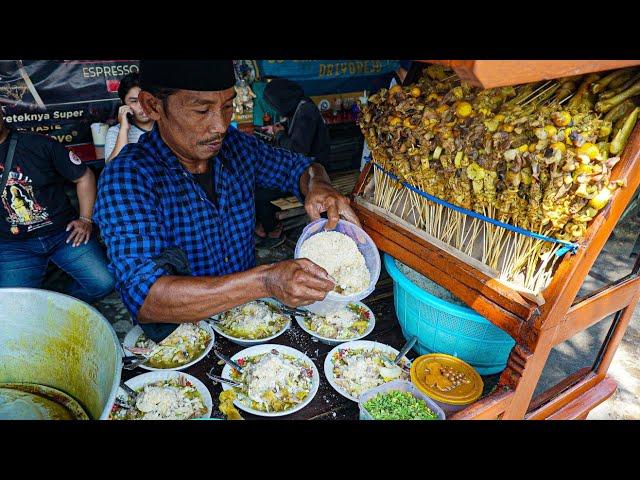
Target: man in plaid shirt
x=176 y=209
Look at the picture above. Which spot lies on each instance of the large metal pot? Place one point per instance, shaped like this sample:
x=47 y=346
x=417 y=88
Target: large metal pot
x=55 y=340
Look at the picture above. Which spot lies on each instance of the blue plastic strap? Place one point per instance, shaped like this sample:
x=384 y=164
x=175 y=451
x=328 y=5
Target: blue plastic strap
x=568 y=246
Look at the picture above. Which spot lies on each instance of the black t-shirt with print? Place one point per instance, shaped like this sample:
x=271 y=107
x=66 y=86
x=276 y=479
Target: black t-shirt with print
x=34 y=203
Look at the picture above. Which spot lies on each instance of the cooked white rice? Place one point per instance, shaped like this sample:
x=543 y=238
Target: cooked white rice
x=338 y=254
x=168 y=402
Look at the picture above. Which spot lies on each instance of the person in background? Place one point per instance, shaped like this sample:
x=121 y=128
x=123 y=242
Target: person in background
x=132 y=121
x=301 y=130
x=260 y=107
x=37 y=221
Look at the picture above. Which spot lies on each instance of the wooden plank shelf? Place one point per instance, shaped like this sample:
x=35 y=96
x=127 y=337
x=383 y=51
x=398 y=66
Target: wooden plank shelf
x=498 y=73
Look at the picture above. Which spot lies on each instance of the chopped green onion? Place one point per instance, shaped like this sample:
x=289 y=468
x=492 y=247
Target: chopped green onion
x=397 y=405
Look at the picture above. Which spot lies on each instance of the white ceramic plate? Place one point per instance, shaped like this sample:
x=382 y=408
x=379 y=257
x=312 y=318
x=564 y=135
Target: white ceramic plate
x=246 y=342
x=258 y=349
x=357 y=344
x=334 y=341
x=132 y=337
x=144 y=379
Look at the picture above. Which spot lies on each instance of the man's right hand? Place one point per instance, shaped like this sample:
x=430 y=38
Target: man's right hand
x=122 y=116
x=298 y=282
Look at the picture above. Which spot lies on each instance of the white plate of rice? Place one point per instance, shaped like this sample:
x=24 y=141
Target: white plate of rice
x=341 y=326
x=166 y=395
x=253 y=319
x=182 y=349
x=299 y=375
x=363 y=371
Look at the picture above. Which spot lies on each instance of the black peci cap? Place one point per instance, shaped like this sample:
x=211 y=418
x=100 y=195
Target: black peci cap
x=199 y=75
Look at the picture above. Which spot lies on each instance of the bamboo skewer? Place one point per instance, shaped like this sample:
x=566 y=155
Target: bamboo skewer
x=566 y=98
x=496 y=247
x=405 y=194
x=465 y=233
x=415 y=207
x=450 y=228
x=533 y=92
x=511 y=253
x=459 y=229
x=488 y=236
x=474 y=236
x=548 y=91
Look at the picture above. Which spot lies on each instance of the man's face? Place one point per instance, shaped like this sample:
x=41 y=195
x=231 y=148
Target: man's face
x=131 y=100
x=194 y=123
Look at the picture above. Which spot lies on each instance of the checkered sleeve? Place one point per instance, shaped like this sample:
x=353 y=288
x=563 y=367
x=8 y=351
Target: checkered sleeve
x=278 y=168
x=126 y=212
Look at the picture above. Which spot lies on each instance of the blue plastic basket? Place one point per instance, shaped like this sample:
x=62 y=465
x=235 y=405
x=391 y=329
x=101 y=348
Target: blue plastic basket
x=442 y=327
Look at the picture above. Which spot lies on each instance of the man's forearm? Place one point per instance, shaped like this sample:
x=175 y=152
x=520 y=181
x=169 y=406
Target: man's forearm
x=175 y=299
x=315 y=173
x=86 y=190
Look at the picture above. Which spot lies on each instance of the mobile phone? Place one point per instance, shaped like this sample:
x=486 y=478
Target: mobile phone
x=130 y=116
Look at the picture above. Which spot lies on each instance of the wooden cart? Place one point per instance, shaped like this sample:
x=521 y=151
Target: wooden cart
x=536 y=329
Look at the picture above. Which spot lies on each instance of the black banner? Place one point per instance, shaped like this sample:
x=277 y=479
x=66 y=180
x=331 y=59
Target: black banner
x=62 y=98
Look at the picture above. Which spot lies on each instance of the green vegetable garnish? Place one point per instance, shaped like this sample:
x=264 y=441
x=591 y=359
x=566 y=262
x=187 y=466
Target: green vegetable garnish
x=397 y=405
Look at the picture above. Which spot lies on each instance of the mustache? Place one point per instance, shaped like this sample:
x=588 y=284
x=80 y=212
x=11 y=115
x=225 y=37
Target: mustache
x=216 y=139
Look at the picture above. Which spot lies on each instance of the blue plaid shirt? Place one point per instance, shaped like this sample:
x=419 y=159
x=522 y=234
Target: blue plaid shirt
x=148 y=203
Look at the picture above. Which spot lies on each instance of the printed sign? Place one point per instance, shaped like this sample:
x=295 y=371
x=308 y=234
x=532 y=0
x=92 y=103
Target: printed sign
x=62 y=98
x=319 y=77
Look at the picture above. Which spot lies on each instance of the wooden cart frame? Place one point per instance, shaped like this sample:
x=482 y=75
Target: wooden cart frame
x=536 y=329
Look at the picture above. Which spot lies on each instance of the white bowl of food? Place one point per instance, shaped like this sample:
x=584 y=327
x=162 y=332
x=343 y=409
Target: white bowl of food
x=164 y=395
x=253 y=323
x=353 y=368
x=352 y=322
x=350 y=257
x=276 y=380
x=185 y=346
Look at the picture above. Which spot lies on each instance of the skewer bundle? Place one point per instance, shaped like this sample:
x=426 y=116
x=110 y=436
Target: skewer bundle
x=537 y=156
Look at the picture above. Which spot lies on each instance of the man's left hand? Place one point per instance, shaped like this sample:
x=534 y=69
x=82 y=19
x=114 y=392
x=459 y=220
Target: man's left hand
x=80 y=232
x=322 y=197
